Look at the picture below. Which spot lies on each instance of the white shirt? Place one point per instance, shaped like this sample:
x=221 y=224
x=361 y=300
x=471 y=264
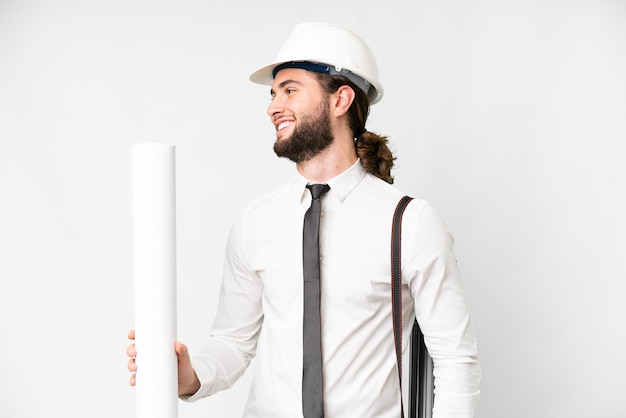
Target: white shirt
x=261 y=303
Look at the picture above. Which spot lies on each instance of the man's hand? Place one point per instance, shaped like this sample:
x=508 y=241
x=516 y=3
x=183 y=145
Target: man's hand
x=131 y=351
x=188 y=382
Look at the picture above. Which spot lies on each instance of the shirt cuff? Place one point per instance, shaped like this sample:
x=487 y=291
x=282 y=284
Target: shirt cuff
x=457 y=406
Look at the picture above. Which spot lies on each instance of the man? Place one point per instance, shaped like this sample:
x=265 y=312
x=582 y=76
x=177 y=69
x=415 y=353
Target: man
x=323 y=82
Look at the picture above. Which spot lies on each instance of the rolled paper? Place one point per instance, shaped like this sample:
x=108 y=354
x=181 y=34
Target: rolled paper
x=154 y=268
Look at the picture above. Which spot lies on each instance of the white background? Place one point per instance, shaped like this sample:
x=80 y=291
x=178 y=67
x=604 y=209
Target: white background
x=507 y=115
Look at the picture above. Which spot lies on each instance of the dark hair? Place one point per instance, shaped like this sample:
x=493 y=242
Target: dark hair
x=372 y=149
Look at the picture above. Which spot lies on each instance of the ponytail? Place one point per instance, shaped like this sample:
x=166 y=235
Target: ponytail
x=375 y=155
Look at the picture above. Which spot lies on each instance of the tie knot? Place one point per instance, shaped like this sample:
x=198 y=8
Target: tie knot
x=317 y=190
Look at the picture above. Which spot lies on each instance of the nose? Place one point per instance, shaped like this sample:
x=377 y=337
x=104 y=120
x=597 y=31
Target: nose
x=275 y=106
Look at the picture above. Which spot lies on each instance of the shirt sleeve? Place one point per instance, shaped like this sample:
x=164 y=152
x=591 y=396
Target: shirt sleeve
x=443 y=312
x=232 y=344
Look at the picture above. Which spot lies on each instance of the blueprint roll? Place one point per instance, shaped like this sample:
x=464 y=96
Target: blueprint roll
x=154 y=268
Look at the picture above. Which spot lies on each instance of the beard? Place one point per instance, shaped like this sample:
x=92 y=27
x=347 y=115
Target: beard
x=311 y=136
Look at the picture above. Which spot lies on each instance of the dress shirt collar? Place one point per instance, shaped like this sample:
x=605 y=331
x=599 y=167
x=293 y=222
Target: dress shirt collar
x=340 y=185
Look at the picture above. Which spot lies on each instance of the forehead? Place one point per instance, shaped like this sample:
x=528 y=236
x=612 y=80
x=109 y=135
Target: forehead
x=295 y=75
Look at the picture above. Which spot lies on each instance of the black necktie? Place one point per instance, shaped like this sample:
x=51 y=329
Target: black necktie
x=312 y=403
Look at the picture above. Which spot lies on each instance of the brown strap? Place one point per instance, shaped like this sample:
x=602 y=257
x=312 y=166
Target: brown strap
x=396 y=286
x=421 y=364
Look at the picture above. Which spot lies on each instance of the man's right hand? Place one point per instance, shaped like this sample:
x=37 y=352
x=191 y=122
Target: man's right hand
x=188 y=382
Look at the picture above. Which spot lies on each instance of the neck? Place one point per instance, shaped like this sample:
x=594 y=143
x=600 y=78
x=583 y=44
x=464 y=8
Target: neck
x=334 y=160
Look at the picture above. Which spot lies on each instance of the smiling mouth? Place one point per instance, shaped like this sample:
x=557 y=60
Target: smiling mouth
x=284 y=125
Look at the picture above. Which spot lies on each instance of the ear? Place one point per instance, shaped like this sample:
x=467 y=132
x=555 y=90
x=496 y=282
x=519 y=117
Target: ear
x=344 y=96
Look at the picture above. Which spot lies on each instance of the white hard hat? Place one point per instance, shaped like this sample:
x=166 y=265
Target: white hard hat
x=338 y=50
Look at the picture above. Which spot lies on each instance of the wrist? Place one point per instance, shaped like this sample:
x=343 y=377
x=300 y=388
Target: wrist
x=189 y=387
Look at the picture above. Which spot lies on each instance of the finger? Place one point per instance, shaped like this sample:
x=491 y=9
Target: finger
x=131 y=334
x=181 y=350
x=133 y=380
x=132 y=365
x=131 y=351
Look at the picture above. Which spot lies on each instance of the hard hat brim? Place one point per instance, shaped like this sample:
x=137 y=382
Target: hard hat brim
x=264 y=76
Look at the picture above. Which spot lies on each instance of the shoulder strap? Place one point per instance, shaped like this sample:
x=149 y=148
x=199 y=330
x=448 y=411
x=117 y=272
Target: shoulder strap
x=421 y=363
x=396 y=286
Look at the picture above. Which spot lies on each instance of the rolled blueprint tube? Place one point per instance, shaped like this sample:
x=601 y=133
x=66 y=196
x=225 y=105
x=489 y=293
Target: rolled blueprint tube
x=154 y=259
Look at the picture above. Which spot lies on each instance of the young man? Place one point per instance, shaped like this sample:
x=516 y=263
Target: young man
x=323 y=83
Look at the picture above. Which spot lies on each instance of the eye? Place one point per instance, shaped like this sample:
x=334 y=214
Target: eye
x=289 y=91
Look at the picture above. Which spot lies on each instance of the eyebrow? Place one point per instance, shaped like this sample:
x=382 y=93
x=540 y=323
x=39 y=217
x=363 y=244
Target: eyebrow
x=285 y=83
